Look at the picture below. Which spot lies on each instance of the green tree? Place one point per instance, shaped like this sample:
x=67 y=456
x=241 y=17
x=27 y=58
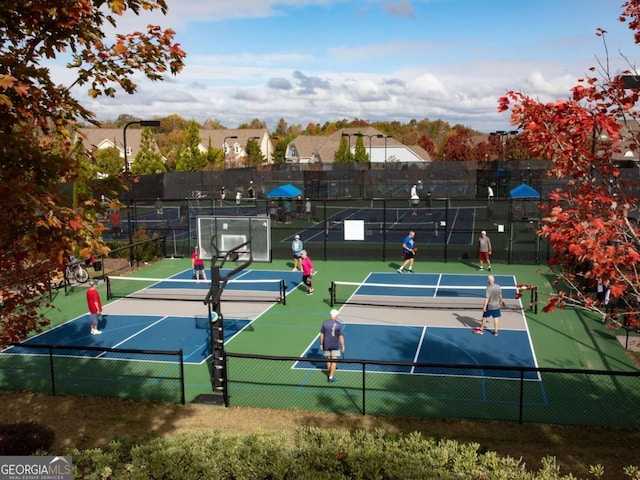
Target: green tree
x=254 y=154
x=360 y=154
x=343 y=154
x=189 y=157
x=148 y=160
x=108 y=161
x=215 y=158
x=82 y=190
x=37 y=117
x=280 y=148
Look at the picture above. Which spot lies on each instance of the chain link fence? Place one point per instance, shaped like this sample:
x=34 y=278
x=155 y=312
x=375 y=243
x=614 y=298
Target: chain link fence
x=453 y=208
x=478 y=392
x=446 y=229
x=149 y=375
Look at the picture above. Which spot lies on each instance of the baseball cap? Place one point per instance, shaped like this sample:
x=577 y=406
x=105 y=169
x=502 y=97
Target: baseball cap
x=297 y=236
x=95 y=281
x=333 y=313
x=483 y=232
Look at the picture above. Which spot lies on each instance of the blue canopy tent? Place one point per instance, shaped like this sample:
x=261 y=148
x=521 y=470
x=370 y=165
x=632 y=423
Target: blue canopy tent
x=525 y=217
x=524 y=191
x=284 y=191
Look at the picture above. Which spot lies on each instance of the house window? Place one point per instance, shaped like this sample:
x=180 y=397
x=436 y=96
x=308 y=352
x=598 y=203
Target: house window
x=129 y=152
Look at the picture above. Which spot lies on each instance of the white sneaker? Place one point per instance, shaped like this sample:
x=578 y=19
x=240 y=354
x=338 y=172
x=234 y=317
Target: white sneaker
x=399 y=270
x=481 y=268
x=294 y=270
x=96 y=332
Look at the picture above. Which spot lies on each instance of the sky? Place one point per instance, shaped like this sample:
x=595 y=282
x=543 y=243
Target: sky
x=317 y=61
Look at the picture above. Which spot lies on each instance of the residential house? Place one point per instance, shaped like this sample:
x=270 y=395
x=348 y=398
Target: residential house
x=380 y=148
x=233 y=142
x=100 y=138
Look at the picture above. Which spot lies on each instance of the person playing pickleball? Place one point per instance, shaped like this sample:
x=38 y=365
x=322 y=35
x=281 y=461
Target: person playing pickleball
x=492 y=303
x=332 y=343
x=408 y=252
x=95 y=307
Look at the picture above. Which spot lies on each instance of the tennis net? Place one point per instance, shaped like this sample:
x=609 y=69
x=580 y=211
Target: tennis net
x=456 y=297
x=269 y=290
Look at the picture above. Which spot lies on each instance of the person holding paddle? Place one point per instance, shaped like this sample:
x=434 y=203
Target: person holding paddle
x=408 y=252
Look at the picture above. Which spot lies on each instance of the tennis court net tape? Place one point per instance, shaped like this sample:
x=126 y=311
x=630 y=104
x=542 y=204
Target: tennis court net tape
x=269 y=290
x=456 y=297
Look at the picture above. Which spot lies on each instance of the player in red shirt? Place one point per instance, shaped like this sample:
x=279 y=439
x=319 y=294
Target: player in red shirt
x=95 y=306
x=198 y=265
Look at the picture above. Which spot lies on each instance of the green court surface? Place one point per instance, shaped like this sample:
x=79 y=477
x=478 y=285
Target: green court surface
x=564 y=339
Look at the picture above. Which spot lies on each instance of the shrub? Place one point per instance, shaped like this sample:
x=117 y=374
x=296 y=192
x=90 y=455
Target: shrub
x=146 y=252
x=316 y=454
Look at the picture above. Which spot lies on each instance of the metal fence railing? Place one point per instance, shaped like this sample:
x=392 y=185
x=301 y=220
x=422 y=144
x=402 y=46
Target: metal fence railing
x=149 y=375
x=446 y=229
x=501 y=393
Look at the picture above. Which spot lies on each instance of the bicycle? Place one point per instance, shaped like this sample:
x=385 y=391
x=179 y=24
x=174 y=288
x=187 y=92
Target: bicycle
x=77 y=271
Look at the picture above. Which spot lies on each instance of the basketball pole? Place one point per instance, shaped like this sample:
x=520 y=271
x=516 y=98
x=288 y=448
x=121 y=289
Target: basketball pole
x=219 y=378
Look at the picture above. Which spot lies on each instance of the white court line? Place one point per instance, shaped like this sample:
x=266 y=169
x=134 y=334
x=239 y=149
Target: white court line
x=137 y=333
x=415 y=357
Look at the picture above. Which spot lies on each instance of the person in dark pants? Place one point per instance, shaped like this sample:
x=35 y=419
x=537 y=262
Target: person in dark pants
x=307 y=271
x=332 y=343
x=408 y=252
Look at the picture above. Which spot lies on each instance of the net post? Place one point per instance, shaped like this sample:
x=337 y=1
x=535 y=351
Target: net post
x=108 y=282
x=332 y=294
x=283 y=291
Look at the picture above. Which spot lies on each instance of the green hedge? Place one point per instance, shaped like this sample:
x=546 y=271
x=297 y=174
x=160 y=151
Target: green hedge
x=316 y=454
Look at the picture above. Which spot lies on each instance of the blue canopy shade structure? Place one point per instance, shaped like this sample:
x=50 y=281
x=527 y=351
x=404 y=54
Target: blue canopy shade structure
x=284 y=191
x=524 y=191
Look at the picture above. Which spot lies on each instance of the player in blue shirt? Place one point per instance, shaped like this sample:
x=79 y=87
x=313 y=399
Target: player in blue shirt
x=408 y=252
x=332 y=343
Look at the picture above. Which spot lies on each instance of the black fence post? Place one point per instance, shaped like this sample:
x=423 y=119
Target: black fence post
x=182 y=394
x=521 y=406
x=364 y=388
x=53 y=376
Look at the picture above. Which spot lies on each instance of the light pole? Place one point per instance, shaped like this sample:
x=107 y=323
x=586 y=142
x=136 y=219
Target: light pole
x=370 y=137
x=142 y=123
x=385 y=149
x=224 y=150
x=504 y=134
x=267 y=148
x=348 y=135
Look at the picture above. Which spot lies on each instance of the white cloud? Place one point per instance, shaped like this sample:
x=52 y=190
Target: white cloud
x=374 y=60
